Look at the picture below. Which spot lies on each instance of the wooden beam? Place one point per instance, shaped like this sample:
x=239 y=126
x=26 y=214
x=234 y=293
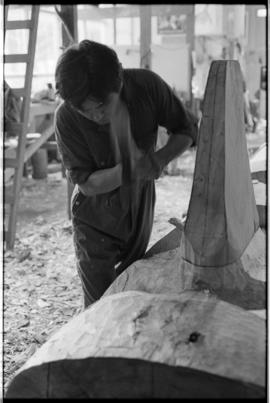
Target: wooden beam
x=145 y=36
x=95 y=13
x=190 y=39
x=32 y=148
x=69 y=18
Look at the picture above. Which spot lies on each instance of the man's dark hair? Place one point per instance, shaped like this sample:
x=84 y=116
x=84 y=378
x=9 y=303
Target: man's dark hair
x=87 y=68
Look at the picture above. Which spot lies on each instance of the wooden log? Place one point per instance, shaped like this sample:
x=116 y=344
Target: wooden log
x=136 y=344
x=40 y=164
x=241 y=283
x=177 y=339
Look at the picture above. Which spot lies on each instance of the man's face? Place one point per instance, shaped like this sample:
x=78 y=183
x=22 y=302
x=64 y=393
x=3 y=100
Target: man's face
x=99 y=112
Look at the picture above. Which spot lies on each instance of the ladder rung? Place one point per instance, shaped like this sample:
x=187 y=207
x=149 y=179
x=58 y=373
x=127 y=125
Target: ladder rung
x=13 y=128
x=11 y=163
x=19 y=92
x=11 y=196
x=16 y=58
x=26 y=24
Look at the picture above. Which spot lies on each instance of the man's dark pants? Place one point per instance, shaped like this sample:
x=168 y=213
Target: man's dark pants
x=109 y=230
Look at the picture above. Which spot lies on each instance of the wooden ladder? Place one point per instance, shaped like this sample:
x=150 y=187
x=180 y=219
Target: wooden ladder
x=20 y=129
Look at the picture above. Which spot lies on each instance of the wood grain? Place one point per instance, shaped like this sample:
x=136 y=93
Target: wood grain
x=178 y=323
x=222 y=216
x=241 y=283
x=191 y=331
x=103 y=378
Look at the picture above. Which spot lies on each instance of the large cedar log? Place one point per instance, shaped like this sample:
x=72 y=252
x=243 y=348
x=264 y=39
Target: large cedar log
x=136 y=344
x=241 y=283
x=173 y=336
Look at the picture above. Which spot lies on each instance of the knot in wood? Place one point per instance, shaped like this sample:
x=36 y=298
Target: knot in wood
x=193 y=337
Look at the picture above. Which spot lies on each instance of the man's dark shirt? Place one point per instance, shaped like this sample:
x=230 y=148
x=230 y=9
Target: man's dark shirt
x=85 y=146
x=116 y=226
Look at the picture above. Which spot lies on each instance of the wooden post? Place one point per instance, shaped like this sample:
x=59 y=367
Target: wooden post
x=114 y=25
x=69 y=17
x=191 y=42
x=40 y=163
x=145 y=38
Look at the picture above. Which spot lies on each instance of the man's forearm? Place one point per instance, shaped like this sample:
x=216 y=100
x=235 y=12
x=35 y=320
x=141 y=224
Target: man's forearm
x=176 y=145
x=102 y=181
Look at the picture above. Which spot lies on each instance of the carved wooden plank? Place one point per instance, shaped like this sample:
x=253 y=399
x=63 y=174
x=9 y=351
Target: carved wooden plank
x=222 y=216
x=102 y=352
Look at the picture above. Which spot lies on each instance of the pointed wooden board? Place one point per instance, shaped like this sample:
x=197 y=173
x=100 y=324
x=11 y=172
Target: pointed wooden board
x=222 y=216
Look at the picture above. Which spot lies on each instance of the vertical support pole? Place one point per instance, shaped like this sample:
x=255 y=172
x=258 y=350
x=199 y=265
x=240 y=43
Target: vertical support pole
x=191 y=42
x=145 y=38
x=114 y=25
x=70 y=17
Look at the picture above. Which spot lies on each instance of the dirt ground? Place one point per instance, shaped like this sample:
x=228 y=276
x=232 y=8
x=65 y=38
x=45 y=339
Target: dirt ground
x=41 y=287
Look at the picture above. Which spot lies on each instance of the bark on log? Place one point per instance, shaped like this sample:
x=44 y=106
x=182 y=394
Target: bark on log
x=136 y=344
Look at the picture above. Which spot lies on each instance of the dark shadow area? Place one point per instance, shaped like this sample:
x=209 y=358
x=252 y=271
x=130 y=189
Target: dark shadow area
x=125 y=378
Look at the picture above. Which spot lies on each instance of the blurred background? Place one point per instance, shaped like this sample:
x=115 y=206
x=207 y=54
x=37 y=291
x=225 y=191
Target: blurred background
x=176 y=41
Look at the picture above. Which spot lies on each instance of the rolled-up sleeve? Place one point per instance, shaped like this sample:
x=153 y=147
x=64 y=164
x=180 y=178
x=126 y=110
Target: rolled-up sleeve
x=72 y=147
x=171 y=112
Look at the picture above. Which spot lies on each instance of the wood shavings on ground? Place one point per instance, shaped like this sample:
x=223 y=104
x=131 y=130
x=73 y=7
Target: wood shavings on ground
x=42 y=289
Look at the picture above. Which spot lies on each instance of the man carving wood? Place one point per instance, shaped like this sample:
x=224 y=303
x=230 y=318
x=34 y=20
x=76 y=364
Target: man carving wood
x=106 y=130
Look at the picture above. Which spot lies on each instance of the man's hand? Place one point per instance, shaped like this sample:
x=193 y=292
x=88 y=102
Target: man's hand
x=150 y=165
x=102 y=181
x=147 y=167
